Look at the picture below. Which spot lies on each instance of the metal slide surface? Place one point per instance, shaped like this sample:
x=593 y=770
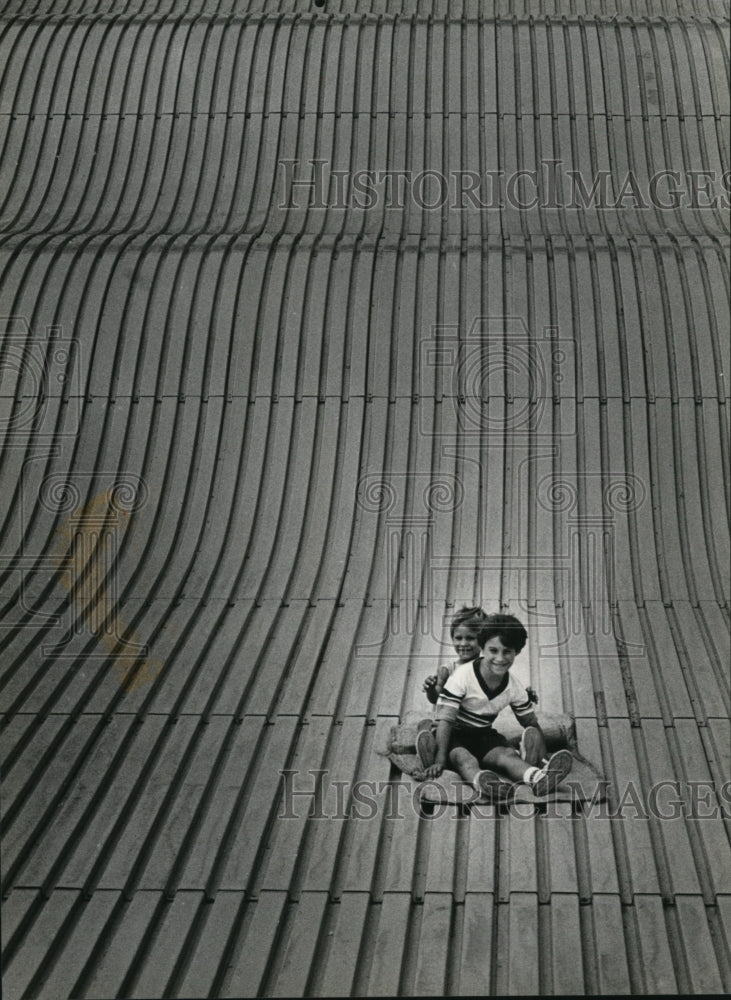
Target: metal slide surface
x=317 y=323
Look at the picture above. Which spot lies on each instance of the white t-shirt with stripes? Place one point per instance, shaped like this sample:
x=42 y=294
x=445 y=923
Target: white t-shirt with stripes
x=465 y=700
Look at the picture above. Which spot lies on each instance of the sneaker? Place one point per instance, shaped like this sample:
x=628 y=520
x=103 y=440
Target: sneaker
x=489 y=784
x=426 y=748
x=531 y=746
x=552 y=773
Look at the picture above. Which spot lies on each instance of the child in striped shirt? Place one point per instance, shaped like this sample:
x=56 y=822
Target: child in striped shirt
x=467 y=706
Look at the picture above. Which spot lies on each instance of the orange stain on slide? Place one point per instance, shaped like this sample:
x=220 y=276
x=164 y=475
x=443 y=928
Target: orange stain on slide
x=87 y=543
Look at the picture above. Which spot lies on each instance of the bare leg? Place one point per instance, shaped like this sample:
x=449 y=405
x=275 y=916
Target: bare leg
x=507 y=761
x=479 y=773
x=533 y=746
x=464 y=763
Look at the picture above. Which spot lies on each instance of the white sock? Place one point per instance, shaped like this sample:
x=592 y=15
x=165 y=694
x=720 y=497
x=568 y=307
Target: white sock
x=529 y=774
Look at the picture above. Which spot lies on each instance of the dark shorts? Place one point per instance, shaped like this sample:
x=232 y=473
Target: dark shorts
x=477 y=741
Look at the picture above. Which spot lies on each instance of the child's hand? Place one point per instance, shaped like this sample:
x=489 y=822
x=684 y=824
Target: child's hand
x=532 y=695
x=430 y=688
x=433 y=771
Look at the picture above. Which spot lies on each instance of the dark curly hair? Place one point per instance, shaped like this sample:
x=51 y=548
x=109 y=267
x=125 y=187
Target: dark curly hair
x=509 y=630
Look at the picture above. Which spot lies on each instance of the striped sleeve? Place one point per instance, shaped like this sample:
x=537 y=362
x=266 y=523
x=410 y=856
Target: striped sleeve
x=519 y=700
x=449 y=700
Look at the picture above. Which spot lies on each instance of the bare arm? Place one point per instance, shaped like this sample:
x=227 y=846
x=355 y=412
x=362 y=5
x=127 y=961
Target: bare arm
x=528 y=720
x=444 y=729
x=434 y=683
x=442 y=678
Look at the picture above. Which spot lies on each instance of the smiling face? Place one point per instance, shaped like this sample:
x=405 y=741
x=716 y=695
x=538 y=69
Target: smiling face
x=465 y=643
x=498 y=657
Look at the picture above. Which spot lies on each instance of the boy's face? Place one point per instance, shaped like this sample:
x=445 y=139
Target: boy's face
x=499 y=657
x=465 y=643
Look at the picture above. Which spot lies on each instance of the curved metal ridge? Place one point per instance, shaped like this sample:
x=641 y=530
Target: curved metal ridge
x=232 y=141
x=272 y=408
x=433 y=9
